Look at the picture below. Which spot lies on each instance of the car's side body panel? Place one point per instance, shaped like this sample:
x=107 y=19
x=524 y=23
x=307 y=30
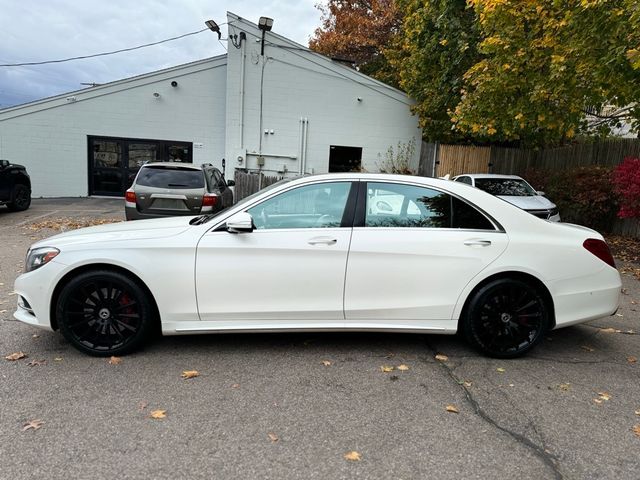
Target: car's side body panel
x=401 y=279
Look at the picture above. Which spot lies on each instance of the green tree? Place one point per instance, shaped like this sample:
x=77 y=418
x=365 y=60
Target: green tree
x=436 y=46
x=358 y=30
x=544 y=64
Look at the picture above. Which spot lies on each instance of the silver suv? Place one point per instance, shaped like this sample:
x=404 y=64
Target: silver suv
x=169 y=189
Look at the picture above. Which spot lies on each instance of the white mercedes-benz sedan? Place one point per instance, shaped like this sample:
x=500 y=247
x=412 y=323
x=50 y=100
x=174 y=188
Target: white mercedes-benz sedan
x=336 y=252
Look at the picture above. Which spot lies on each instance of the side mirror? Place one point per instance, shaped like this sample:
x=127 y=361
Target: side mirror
x=231 y=183
x=540 y=192
x=240 y=223
x=4 y=164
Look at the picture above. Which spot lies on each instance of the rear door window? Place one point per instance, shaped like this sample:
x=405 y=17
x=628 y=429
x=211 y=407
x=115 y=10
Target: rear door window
x=170 y=178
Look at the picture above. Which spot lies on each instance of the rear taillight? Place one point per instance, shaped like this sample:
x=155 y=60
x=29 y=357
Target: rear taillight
x=130 y=196
x=600 y=249
x=210 y=200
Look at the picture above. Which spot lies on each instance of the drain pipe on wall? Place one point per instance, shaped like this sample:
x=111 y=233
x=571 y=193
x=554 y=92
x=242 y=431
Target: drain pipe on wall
x=300 y=130
x=242 y=62
x=305 y=137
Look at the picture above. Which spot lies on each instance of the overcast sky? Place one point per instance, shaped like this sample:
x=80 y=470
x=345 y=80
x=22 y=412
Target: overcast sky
x=39 y=30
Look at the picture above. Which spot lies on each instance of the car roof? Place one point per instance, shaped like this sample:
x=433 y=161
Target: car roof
x=189 y=166
x=489 y=175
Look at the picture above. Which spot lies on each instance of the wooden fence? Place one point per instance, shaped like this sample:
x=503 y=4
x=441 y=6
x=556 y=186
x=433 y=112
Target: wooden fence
x=248 y=183
x=458 y=159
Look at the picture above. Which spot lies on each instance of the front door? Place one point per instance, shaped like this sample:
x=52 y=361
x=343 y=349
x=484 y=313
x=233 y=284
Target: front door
x=291 y=267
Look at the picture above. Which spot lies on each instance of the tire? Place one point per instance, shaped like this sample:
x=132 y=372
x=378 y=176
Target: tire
x=506 y=318
x=20 y=198
x=104 y=313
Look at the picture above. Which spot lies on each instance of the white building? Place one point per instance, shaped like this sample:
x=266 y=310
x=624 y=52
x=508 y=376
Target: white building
x=288 y=111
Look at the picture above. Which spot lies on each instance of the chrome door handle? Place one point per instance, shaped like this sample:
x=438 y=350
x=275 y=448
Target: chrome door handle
x=323 y=241
x=477 y=243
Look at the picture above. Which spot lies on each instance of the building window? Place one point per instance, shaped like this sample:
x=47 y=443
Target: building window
x=114 y=162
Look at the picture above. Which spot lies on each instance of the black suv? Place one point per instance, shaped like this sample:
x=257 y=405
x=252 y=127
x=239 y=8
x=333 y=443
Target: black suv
x=15 y=186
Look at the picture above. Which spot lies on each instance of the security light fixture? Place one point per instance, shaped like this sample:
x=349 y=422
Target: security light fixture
x=213 y=26
x=156 y=94
x=264 y=24
x=174 y=84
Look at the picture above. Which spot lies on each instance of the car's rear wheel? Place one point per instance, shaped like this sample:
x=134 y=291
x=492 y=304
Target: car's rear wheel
x=104 y=313
x=20 y=199
x=506 y=318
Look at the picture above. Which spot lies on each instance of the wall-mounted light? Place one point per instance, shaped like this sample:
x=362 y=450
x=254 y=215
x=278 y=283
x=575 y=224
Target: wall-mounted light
x=359 y=99
x=265 y=24
x=174 y=84
x=72 y=99
x=156 y=94
x=213 y=26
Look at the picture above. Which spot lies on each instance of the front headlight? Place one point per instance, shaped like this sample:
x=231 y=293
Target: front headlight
x=39 y=257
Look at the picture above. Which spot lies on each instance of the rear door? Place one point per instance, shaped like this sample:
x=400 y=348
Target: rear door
x=413 y=250
x=169 y=190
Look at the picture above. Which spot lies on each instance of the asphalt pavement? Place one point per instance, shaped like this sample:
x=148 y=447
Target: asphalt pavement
x=292 y=405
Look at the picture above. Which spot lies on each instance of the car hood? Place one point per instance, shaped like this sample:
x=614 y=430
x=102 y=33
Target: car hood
x=141 y=229
x=536 y=202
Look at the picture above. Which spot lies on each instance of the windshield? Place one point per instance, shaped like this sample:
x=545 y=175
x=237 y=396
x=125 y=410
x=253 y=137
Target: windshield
x=163 y=177
x=512 y=187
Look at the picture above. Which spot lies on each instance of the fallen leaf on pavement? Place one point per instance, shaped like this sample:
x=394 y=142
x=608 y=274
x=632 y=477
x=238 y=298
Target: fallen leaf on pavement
x=452 y=409
x=158 y=414
x=35 y=335
x=636 y=430
x=16 y=356
x=235 y=385
x=637 y=412
x=32 y=425
x=326 y=363
x=386 y=369
x=36 y=363
x=610 y=330
x=631 y=359
x=190 y=374
x=403 y=367
x=500 y=370
x=564 y=386
x=598 y=401
x=467 y=383
x=115 y=361
x=604 y=396
x=57 y=359
x=587 y=348
x=353 y=456
x=273 y=437
x=441 y=357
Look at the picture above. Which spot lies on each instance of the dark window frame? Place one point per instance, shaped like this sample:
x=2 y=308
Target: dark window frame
x=124 y=169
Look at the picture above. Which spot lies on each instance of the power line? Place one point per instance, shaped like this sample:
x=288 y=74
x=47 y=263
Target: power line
x=82 y=57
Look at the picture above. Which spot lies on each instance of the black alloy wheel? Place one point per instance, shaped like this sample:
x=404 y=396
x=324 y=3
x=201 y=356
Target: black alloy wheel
x=21 y=198
x=104 y=313
x=506 y=318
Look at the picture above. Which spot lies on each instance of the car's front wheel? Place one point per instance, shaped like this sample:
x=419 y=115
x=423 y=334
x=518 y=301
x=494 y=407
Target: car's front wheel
x=104 y=313
x=20 y=199
x=506 y=318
